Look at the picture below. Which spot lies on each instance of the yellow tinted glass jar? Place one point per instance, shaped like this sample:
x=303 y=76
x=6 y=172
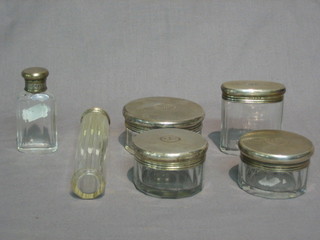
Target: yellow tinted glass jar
x=274 y=163
x=247 y=106
x=169 y=162
x=88 y=179
x=160 y=112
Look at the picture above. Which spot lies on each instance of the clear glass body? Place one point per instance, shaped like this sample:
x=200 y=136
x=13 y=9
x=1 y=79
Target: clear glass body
x=240 y=118
x=128 y=144
x=272 y=184
x=88 y=180
x=36 y=122
x=168 y=184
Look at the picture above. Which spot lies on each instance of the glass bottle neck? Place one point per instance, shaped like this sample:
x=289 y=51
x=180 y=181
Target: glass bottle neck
x=35 y=86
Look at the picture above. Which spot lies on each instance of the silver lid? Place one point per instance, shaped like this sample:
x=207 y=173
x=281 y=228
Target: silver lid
x=35 y=79
x=276 y=149
x=253 y=91
x=170 y=149
x=163 y=112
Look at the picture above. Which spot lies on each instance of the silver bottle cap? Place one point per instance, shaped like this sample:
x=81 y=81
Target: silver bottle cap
x=169 y=149
x=276 y=149
x=253 y=91
x=35 y=79
x=163 y=112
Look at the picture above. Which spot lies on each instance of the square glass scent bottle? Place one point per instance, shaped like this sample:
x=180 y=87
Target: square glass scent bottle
x=248 y=106
x=36 y=112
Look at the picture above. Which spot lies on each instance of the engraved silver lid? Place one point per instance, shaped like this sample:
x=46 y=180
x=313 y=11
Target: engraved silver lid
x=163 y=112
x=250 y=91
x=276 y=149
x=35 y=79
x=170 y=149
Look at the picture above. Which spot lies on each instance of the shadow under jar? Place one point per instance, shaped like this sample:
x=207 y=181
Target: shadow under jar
x=169 y=162
x=160 y=112
x=247 y=106
x=274 y=163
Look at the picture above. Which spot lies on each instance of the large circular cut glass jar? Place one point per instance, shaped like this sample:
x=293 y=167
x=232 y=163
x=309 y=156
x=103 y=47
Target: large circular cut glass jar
x=169 y=162
x=160 y=112
x=274 y=163
x=247 y=106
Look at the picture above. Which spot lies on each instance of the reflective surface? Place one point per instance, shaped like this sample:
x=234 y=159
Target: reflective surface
x=161 y=112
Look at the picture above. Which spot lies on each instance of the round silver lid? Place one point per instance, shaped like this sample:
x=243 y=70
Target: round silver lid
x=35 y=73
x=253 y=91
x=276 y=147
x=35 y=79
x=162 y=112
x=170 y=149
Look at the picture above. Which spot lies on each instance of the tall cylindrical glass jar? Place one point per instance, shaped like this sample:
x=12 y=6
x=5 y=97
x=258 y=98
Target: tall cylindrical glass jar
x=247 y=106
x=88 y=180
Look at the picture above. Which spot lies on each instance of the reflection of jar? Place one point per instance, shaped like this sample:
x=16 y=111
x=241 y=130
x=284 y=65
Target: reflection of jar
x=169 y=162
x=160 y=112
x=247 y=106
x=274 y=163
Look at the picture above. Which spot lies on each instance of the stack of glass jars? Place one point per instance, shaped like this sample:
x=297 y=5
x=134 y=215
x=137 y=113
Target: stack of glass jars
x=274 y=163
x=163 y=133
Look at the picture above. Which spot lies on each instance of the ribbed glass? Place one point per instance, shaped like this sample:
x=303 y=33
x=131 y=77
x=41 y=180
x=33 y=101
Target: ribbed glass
x=267 y=183
x=168 y=184
x=88 y=180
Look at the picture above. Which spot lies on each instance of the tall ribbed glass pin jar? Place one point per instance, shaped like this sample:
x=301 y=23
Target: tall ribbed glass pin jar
x=274 y=163
x=36 y=114
x=247 y=106
x=88 y=180
x=161 y=112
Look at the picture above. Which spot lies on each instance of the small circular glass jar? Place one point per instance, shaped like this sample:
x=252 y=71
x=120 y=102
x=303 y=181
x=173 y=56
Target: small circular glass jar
x=247 y=106
x=160 y=112
x=274 y=163
x=169 y=162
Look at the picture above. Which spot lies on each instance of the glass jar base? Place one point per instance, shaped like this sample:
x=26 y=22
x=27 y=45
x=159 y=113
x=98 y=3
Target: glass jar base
x=171 y=194
x=37 y=150
x=230 y=151
x=270 y=194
